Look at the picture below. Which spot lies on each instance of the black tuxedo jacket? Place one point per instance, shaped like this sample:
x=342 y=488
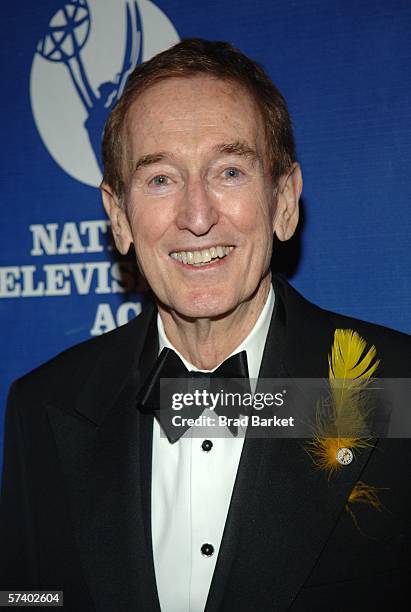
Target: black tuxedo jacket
x=75 y=510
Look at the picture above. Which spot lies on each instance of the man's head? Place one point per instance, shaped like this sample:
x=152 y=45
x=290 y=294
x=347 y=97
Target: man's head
x=189 y=58
x=199 y=163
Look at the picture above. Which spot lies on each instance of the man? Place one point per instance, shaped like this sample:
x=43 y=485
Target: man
x=200 y=173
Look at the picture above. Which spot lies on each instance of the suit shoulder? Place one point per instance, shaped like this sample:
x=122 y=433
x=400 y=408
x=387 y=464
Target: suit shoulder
x=393 y=347
x=77 y=362
x=343 y=321
x=373 y=330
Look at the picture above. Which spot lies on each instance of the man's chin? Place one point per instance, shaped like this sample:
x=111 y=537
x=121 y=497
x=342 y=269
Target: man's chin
x=207 y=308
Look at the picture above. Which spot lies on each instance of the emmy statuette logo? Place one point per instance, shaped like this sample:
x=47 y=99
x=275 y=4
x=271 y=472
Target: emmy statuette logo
x=79 y=71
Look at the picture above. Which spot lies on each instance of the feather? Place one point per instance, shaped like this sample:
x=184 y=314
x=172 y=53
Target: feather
x=341 y=418
x=350 y=371
x=365 y=494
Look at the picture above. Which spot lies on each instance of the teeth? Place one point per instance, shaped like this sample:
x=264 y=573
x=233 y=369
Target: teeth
x=206 y=255
x=201 y=257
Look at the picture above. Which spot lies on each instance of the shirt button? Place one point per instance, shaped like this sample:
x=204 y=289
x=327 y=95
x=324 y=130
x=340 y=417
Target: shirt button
x=207 y=445
x=207 y=550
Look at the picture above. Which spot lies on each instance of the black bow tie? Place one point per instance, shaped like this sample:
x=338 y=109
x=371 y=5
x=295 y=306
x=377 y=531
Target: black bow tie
x=155 y=398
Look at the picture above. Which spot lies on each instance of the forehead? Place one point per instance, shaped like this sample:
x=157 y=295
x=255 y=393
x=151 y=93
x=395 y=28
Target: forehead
x=194 y=110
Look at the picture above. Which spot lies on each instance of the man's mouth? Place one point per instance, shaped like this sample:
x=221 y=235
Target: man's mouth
x=203 y=257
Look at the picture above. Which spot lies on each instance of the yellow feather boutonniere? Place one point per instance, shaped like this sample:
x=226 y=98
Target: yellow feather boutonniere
x=351 y=367
x=341 y=420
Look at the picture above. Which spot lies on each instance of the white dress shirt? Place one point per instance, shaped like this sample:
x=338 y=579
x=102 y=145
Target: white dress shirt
x=191 y=491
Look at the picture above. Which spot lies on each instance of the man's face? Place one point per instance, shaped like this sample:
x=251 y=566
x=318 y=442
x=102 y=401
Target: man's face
x=200 y=206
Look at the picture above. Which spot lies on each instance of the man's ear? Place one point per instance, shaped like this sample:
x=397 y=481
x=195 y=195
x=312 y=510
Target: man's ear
x=286 y=216
x=118 y=217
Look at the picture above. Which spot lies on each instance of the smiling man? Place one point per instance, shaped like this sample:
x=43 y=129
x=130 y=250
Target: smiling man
x=200 y=174
x=201 y=206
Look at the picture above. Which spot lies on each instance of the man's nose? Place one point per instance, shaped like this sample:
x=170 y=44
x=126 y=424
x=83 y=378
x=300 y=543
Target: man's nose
x=197 y=211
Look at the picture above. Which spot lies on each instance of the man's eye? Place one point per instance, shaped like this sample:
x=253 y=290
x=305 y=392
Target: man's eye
x=231 y=173
x=160 y=181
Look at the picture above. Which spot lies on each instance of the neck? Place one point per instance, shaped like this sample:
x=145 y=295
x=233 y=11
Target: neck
x=207 y=342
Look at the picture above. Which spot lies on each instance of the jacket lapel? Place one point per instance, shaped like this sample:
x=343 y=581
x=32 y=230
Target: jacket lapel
x=283 y=510
x=105 y=451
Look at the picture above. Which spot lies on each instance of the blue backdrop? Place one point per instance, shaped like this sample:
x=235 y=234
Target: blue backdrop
x=342 y=65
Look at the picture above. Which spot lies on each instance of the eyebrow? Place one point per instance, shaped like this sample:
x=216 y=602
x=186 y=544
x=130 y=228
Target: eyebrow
x=150 y=159
x=239 y=148
x=231 y=148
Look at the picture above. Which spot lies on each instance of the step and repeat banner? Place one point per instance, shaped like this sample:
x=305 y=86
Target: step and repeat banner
x=343 y=67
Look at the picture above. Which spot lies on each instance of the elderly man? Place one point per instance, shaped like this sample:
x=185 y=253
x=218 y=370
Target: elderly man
x=200 y=173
